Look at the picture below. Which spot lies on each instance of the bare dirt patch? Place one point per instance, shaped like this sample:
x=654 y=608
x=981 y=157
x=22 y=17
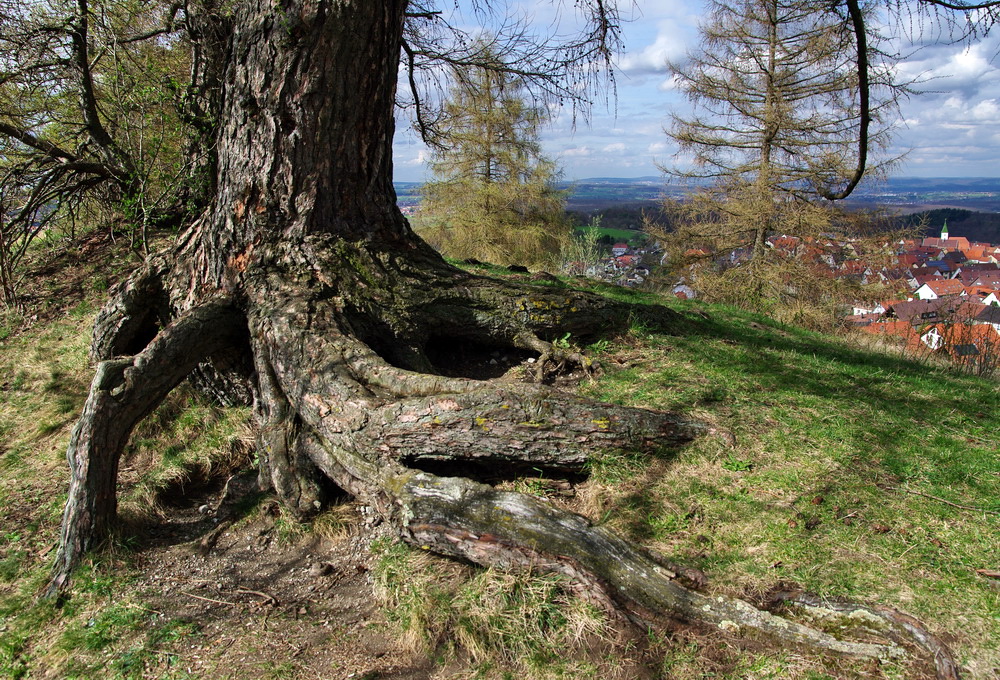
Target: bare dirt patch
x=266 y=604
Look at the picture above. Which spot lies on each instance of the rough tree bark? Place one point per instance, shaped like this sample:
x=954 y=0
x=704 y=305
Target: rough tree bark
x=305 y=282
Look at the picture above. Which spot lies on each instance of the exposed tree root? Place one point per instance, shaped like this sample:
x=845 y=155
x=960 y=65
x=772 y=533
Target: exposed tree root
x=343 y=394
x=123 y=392
x=459 y=517
x=887 y=620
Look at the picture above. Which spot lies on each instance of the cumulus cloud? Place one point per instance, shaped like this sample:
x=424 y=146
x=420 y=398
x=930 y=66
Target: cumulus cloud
x=411 y=160
x=616 y=148
x=966 y=71
x=669 y=45
x=952 y=124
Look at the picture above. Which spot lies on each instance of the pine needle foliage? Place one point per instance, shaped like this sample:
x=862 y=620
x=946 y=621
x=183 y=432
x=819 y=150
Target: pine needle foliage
x=493 y=196
x=775 y=91
x=776 y=124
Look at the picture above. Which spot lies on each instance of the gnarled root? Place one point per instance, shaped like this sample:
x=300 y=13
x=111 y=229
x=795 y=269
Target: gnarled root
x=892 y=622
x=458 y=517
x=123 y=392
x=369 y=430
x=553 y=359
x=376 y=423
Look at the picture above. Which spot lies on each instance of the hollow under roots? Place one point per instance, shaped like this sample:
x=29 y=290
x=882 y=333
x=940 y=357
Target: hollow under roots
x=344 y=389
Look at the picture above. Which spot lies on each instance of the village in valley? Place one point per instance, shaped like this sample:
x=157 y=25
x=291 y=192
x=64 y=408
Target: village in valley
x=949 y=299
x=945 y=297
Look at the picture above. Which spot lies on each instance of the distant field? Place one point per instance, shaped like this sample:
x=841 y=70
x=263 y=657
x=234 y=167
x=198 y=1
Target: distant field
x=626 y=235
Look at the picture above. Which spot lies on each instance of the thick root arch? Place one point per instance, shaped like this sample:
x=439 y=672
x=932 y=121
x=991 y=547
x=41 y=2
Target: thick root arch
x=123 y=392
x=331 y=408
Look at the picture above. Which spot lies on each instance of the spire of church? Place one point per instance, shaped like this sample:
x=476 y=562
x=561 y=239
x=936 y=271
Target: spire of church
x=944 y=231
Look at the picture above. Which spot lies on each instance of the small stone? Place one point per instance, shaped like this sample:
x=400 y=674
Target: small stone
x=204 y=509
x=531 y=360
x=319 y=569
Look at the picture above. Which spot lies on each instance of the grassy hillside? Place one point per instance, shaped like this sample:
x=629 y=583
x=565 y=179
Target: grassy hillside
x=854 y=473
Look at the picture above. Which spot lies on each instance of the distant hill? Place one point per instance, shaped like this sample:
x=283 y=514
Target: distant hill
x=904 y=195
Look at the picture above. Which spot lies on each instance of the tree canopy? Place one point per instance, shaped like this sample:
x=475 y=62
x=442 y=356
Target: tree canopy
x=493 y=196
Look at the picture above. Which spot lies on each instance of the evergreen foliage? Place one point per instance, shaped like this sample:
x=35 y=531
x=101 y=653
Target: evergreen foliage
x=776 y=89
x=776 y=93
x=493 y=196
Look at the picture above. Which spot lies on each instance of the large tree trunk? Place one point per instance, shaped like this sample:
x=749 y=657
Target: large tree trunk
x=304 y=283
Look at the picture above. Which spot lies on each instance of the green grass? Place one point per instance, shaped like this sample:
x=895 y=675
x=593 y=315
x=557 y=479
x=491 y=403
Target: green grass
x=621 y=235
x=845 y=467
x=187 y=440
x=834 y=444
x=104 y=630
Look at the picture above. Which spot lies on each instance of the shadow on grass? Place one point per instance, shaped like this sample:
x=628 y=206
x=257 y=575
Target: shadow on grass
x=899 y=415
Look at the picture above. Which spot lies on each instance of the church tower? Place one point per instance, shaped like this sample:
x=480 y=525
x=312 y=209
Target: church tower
x=944 y=231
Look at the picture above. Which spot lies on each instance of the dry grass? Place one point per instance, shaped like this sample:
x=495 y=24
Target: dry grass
x=829 y=437
x=498 y=624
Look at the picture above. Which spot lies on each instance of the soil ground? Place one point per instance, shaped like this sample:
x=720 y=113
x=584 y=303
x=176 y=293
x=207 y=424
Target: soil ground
x=268 y=605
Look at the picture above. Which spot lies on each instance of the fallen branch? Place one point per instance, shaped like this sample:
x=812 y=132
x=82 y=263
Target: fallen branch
x=270 y=599
x=208 y=599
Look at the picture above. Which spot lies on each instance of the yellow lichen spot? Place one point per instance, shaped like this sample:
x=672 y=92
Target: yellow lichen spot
x=602 y=423
x=481 y=422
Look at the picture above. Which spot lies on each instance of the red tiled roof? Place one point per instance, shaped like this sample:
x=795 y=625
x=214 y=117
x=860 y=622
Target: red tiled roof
x=983 y=336
x=953 y=243
x=899 y=329
x=946 y=287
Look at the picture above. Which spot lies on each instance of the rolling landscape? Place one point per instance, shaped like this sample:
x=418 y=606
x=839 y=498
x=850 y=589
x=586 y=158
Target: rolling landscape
x=971 y=205
x=902 y=194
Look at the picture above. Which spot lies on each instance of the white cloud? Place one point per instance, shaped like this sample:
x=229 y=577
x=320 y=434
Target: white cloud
x=405 y=156
x=669 y=45
x=986 y=110
x=667 y=85
x=616 y=148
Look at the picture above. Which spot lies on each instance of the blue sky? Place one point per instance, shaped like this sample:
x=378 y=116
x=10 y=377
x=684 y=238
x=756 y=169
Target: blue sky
x=950 y=129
